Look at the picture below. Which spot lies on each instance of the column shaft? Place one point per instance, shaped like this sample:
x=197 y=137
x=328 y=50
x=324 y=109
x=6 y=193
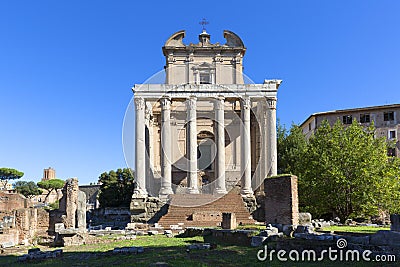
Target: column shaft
x=271 y=137
x=166 y=175
x=262 y=162
x=192 y=145
x=245 y=159
x=220 y=187
x=140 y=149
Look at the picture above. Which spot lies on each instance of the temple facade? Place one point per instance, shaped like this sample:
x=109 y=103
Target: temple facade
x=208 y=128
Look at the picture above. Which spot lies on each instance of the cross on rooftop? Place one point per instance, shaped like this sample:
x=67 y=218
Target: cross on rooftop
x=203 y=23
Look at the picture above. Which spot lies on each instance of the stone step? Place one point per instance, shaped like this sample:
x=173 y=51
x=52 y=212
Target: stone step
x=183 y=206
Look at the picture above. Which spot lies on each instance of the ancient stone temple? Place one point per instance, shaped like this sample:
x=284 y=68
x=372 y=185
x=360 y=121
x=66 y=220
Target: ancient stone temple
x=207 y=129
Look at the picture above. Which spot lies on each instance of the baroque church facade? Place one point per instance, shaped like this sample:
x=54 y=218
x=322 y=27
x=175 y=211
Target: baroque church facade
x=206 y=129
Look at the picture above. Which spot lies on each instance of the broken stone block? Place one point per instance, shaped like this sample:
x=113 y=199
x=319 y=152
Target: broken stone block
x=33 y=250
x=270 y=230
x=154 y=232
x=305 y=218
x=58 y=227
x=198 y=246
x=395 y=222
x=289 y=229
x=257 y=241
x=305 y=229
x=8 y=244
x=385 y=238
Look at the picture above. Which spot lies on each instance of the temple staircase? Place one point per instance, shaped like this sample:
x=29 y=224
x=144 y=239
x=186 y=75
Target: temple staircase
x=204 y=210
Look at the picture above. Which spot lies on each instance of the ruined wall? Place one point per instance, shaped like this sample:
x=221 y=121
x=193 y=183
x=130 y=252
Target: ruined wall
x=13 y=201
x=31 y=222
x=281 y=200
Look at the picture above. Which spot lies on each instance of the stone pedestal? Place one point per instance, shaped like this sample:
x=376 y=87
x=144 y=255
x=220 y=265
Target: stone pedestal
x=281 y=200
x=229 y=221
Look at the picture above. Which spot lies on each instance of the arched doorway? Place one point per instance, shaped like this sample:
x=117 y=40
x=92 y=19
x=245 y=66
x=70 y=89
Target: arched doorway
x=205 y=151
x=205 y=160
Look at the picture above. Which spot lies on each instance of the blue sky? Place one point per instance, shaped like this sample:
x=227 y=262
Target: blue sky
x=66 y=67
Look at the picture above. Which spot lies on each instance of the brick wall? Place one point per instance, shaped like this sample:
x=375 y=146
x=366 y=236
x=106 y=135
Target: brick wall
x=13 y=201
x=281 y=200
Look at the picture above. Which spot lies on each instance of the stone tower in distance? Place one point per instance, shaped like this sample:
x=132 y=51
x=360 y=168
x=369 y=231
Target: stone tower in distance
x=49 y=174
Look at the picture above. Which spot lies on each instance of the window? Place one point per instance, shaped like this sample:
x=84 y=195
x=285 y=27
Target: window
x=205 y=78
x=392 y=134
x=309 y=126
x=388 y=116
x=392 y=152
x=365 y=118
x=348 y=119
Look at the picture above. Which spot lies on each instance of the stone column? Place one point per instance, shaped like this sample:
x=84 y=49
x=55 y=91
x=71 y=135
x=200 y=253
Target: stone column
x=192 y=145
x=272 y=154
x=140 y=149
x=166 y=142
x=245 y=157
x=220 y=187
x=149 y=119
x=262 y=164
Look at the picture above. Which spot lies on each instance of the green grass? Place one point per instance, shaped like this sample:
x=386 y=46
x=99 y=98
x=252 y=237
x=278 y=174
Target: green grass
x=355 y=229
x=162 y=249
x=251 y=227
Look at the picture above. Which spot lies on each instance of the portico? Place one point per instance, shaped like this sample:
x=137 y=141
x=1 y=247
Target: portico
x=170 y=116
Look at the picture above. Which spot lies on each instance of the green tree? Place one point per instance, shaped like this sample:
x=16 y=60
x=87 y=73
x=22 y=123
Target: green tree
x=7 y=174
x=292 y=146
x=51 y=185
x=116 y=188
x=346 y=171
x=28 y=189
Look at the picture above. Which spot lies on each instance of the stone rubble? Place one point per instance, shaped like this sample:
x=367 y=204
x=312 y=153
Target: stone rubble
x=128 y=250
x=36 y=254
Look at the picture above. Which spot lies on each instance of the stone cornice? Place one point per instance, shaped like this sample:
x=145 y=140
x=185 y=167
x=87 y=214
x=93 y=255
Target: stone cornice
x=155 y=91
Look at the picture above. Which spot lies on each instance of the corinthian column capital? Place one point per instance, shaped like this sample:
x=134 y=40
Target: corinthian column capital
x=245 y=102
x=191 y=103
x=139 y=103
x=165 y=103
x=219 y=103
x=271 y=103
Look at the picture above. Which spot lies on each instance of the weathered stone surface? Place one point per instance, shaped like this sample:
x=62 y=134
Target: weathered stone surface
x=257 y=241
x=198 y=246
x=395 y=222
x=68 y=203
x=13 y=201
x=201 y=216
x=237 y=237
x=305 y=229
x=313 y=236
x=81 y=210
x=289 y=229
x=152 y=232
x=363 y=240
x=59 y=227
x=281 y=200
x=36 y=254
x=132 y=250
x=385 y=238
x=305 y=218
x=33 y=250
x=228 y=221
x=270 y=230
x=8 y=244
